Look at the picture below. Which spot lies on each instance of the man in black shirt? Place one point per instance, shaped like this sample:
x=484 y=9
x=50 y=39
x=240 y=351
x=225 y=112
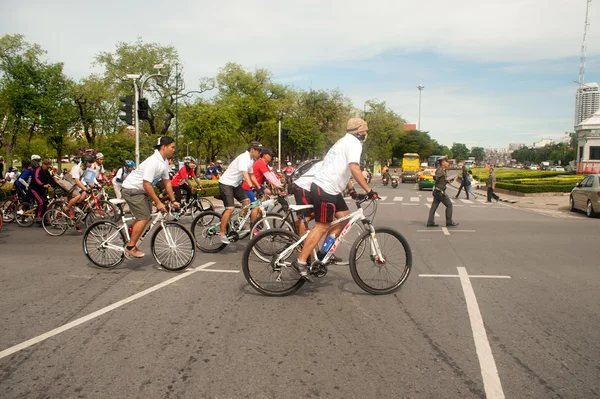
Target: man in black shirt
x=439 y=194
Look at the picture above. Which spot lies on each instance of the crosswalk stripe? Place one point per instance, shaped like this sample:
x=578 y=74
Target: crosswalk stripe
x=466 y=201
x=451 y=200
x=414 y=199
x=383 y=198
x=398 y=198
x=429 y=199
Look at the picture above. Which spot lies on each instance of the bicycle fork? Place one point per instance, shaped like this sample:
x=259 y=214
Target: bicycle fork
x=375 y=250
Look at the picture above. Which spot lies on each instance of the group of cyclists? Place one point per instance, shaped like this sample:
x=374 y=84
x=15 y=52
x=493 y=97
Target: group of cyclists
x=247 y=178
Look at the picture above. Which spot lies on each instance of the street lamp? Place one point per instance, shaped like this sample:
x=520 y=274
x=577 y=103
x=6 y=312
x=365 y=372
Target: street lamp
x=187 y=149
x=420 y=87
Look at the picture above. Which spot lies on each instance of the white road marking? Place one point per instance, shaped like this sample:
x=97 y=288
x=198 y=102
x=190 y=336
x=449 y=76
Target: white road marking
x=383 y=198
x=466 y=201
x=445 y=230
x=100 y=312
x=398 y=198
x=427 y=231
x=489 y=372
x=478 y=206
x=414 y=199
x=404 y=203
x=387 y=203
x=429 y=199
x=487 y=364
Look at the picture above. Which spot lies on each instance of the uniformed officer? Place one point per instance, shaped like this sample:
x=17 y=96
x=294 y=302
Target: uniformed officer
x=439 y=194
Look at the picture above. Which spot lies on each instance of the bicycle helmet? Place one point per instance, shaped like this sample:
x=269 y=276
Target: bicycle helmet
x=88 y=158
x=189 y=159
x=35 y=157
x=129 y=163
x=99 y=156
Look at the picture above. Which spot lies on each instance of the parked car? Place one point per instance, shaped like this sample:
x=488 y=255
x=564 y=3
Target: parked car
x=586 y=196
x=408 y=175
x=426 y=180
x=557 y=169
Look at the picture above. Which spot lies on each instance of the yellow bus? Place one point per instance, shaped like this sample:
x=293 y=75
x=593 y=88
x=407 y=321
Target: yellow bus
x=410 y=161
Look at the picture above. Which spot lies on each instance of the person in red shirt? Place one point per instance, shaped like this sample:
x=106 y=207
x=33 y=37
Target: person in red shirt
x=180 y=180
x=262 y=171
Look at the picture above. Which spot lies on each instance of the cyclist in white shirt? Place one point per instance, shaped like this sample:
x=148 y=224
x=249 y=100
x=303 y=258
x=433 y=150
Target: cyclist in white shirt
x=230 y=184
x=121 y=175
x=138 y=190
x=80 y=192
x=341 y=162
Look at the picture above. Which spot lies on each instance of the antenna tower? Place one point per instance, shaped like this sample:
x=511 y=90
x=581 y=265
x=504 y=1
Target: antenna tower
x=583 y=45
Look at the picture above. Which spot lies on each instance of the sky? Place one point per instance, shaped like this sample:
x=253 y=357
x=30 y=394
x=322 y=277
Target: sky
x=495 y=72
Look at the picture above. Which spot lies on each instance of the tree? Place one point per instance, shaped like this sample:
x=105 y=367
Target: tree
x=460 y=151
x=96 y=104
x=478 y=153
x=385 y=131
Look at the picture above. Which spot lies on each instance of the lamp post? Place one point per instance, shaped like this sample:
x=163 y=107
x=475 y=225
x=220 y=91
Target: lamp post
x=136 y=123
x=420 y=87
x=187 y=149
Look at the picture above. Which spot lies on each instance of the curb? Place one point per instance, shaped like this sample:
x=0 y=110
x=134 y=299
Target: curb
x=483 y=194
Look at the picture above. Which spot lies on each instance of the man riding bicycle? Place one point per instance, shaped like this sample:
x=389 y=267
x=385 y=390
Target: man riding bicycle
x=77 y=172
x=230 y=184
x=341 y=162
x=138 y=190
x=180 y=180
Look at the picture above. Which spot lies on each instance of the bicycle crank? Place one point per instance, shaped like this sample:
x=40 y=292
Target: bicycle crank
x=318 y=269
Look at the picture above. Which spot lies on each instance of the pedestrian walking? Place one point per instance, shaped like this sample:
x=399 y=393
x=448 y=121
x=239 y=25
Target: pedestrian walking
x=491 y=186
x=439 y=194
x=464 y=182
x=470 y=185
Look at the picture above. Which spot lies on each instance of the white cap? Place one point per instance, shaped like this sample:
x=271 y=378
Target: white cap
x=289 y=164
x=99 y=155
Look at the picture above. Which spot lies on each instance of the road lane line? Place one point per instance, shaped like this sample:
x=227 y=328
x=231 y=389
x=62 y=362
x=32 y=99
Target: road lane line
x=100 y=312
x=445 y=230
x=414 y=199
x=404 y=203
x=456 y=275
x=489 y=372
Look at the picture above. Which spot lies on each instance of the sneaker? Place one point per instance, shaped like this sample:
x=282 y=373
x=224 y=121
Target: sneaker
x=451 y=224
x=302 y=271
x=20 y=212
x=224 y=240
x=134 y=253
x=432 y=225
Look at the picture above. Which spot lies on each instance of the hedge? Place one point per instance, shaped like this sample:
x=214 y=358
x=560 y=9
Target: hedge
x=536 y=188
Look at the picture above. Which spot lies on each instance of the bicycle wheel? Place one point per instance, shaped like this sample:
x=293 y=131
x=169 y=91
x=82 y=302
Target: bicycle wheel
x=26 y=215
x=271 y=221
x=345 y=247
x=104 y=244
x=9 y=208
x=55 y=222
x=205 y=229
x=105 y=211
x=267 y=277
x=173 y=246
x=381 y=277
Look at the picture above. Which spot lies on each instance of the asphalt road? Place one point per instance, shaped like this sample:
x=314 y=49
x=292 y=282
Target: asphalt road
x=505 y=305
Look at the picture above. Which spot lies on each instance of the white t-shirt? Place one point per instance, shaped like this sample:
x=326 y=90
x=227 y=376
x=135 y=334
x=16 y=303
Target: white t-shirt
x=306 y=179
x=153 y=170
x=233 y=175
x=77 y=173
x=122 y=174
x=335 y=173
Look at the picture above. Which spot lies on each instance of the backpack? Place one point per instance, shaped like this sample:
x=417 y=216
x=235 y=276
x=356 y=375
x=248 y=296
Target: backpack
x=302 y=169
x=66 y=182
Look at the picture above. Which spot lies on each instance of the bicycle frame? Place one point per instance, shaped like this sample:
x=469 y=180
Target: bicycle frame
x=247 y=208
x=156 y=217
x=352 y=219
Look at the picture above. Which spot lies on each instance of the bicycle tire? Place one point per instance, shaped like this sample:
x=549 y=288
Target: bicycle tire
x=270 y=221
x=26 y=219
x=252 y=265
x=95 y=235
x=9 y=209
x=55 y=222
x=207 y=235
x=361 y=278
x=173 y=253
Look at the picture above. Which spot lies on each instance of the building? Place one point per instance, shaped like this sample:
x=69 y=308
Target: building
x=542 y=143
x=587 y=101
x=588 y=145
x=515 y=146
x=410 y=126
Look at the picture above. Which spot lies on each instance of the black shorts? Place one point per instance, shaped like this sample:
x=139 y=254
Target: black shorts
x=228 y=193
x=326 y=205
x=302 y=197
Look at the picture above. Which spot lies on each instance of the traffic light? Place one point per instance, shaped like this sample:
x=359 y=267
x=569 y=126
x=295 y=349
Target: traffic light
x=127 y=108
x=142 y=109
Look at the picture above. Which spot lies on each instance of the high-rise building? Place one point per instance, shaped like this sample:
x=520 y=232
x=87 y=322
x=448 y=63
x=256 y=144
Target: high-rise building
x=587 y=101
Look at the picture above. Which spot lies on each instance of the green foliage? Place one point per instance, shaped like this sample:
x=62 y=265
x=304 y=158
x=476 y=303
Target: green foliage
x=478 y=153
x=460 y=152
x=555 y=152
x=419 y=142
x=529 y=181
x=385 y=132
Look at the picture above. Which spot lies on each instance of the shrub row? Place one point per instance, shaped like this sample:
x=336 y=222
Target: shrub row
x=536 y=188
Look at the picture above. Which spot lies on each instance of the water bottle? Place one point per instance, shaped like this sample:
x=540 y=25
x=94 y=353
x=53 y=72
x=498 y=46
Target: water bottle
x=328 y=243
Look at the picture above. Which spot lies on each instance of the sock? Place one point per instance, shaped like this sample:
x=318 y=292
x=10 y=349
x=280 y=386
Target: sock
x=301 y=263
x=130 y=247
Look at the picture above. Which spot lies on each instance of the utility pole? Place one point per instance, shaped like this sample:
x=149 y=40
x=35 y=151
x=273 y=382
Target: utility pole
x=420 y=87
x=177 y=115
x=279 y=143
